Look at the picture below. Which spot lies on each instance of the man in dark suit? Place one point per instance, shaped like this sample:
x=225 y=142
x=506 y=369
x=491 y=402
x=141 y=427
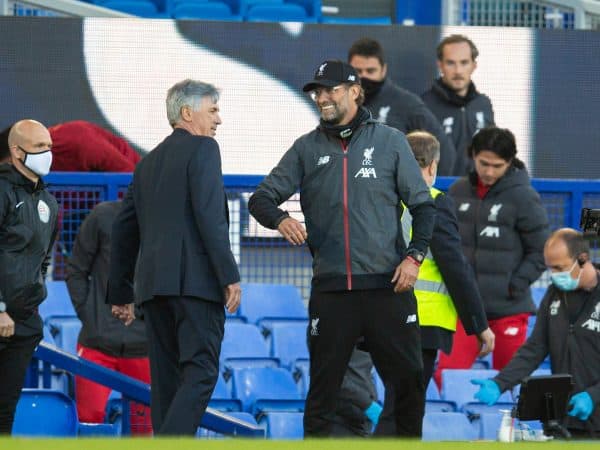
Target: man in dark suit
x=175 y=215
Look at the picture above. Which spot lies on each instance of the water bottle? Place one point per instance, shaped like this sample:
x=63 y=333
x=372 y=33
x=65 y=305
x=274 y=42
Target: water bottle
x=505 y=433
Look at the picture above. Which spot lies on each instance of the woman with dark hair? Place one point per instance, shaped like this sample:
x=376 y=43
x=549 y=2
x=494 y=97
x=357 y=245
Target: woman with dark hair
x=503 y=227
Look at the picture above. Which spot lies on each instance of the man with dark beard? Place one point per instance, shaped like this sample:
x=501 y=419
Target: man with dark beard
x=453 y=98
x=354 y=174
x=392 y=105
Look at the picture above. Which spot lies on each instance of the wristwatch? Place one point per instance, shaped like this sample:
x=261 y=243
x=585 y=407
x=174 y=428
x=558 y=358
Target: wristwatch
x=2 y=307
x=416 y=255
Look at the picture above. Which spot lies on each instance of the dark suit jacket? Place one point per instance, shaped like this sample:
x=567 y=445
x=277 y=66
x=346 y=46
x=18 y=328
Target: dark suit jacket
x=175 y=215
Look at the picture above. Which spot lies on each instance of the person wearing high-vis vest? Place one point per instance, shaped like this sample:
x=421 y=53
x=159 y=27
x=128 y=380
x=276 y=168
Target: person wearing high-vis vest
x=446 y=286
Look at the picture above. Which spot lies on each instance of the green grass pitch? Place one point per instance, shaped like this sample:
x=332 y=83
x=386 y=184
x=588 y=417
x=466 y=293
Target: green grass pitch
x=245 y=444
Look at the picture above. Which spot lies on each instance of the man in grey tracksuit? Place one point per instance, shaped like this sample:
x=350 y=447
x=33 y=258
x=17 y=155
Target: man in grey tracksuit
x=353 y=173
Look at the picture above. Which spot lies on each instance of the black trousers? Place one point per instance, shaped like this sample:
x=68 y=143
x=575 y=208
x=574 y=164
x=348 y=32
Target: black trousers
x=387 y=422
x=184 y=343
x=388 y=323
x=15 y=356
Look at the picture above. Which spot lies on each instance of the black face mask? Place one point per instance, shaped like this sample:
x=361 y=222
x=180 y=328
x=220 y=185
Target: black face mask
x=371 y=87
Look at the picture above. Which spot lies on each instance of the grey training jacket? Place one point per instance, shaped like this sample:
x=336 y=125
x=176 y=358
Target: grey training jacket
x=351 y=195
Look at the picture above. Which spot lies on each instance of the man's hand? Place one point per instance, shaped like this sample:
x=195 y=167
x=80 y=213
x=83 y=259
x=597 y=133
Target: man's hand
x=293 y=231
x=233 y=297
x=487 y=341
x=405 y=276
x=581 y=406
x=489 y=391
x=7 y=325
x=124 y=313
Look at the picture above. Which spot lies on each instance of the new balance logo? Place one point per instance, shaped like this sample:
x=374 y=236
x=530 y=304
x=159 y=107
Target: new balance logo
x=366 y=172
x=412 y=318
x=490 y=232
x=313 y=327
x=511 y=331
x=464 y=207
x=323 y=160
x=18 y=205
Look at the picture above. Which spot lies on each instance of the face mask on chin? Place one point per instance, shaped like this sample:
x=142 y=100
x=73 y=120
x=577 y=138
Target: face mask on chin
x=564 y=281
x=38 y=163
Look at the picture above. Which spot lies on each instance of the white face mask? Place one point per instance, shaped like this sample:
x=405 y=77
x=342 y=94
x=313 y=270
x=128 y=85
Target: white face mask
x=38 y=163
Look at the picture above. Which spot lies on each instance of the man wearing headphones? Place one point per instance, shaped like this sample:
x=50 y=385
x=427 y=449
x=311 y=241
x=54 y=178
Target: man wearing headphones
x=568 y=329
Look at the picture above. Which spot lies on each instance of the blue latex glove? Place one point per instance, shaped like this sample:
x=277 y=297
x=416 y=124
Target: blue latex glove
x=488 y=393
x=581 y=406
x=373 y=412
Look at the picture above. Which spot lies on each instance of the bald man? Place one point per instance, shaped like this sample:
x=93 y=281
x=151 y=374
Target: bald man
x=28 y=223
x=568 y=329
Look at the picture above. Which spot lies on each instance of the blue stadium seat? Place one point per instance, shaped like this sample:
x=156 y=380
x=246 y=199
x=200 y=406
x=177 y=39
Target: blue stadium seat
x=379 y=386
x=537 y=293
x=65 y=332
x=263 y=301
x=240 y=415
x=283 y=12
x=530 y=325
x=448 y=426
x=241 y=7
x=90 y=430
x=283 y=425
x=140 y=8
x=58 y=302
x=457 y=387
x=439 y=406
x=489 y=424
x=301 y=373
x=335 y=20
x=312 y=7
x=288 y=342
x=244 y=346
x=266 y=389
x=221 y=397
x=206 y=11
x=43 y=412
x=473 y=409
x=432 y=392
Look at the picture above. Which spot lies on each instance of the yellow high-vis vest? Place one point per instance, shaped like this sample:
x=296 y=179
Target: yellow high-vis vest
x=434 y=304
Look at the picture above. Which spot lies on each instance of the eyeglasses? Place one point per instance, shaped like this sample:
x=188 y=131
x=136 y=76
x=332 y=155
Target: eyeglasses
x=316 y=93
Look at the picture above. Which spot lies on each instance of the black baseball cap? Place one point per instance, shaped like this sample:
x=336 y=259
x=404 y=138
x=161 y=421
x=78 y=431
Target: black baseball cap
x=332 y=73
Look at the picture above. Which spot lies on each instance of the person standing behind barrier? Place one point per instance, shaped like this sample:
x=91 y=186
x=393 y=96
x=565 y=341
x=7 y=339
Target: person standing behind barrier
x=568 y=329
x=103 y=339
x=175 y=215
x=454 y=99
x=393 y=105
x=353 y=173
x=446 y=286
x=503 y=226
x=28 y=226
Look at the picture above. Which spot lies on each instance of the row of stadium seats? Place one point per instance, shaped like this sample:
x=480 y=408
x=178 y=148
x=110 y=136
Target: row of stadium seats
x=51 y=413
x=307 y=11
x=261 y=303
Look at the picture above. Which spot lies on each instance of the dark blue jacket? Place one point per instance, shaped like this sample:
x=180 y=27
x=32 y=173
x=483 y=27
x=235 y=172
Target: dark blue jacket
x=175 y=215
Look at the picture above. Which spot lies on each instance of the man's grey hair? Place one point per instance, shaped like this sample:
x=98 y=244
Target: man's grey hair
x=188 y=93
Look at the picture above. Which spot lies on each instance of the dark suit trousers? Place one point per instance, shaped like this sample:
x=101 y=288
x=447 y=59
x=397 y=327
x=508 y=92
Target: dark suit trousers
x=184 y=343
x=15 y=355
